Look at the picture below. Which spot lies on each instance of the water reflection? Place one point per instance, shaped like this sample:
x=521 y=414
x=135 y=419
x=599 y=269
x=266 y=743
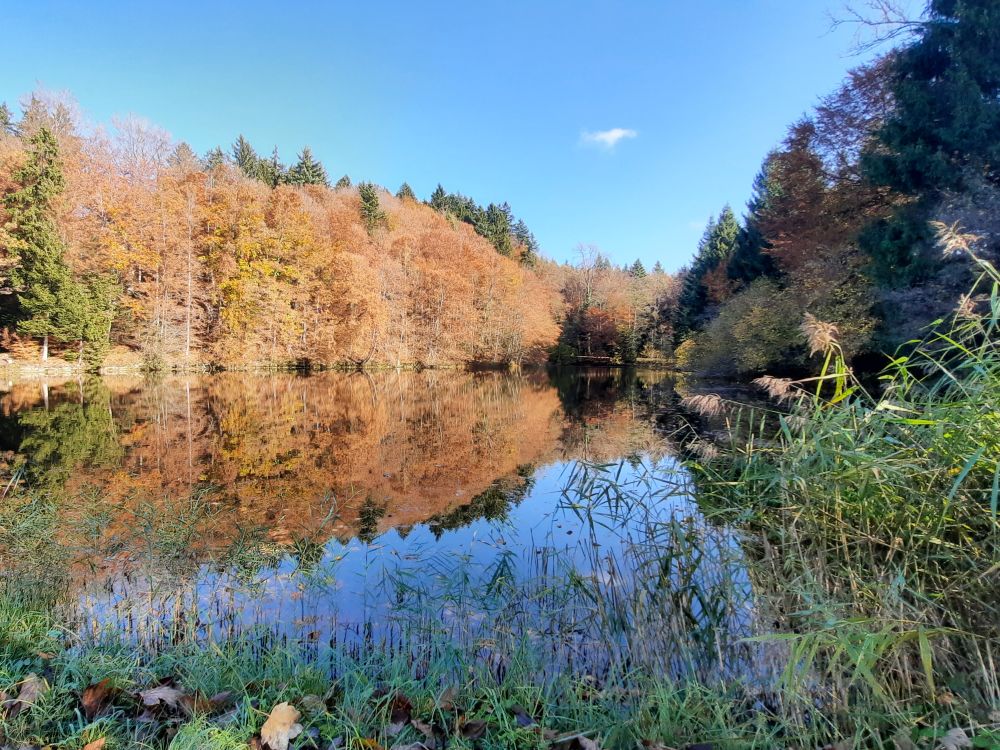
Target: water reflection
x=471 y=507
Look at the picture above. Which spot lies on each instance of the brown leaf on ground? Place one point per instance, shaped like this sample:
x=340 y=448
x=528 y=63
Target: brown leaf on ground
x=31 y=687
x=195 y=704
x=400 y=713
x=955 y=739
x=521 y=716
x=222 y=700
x=281 y=726
x=425 y=729
x=95 y=698
x=96 y=744
x=446 y=701
x=161 y=695
x=473 y=730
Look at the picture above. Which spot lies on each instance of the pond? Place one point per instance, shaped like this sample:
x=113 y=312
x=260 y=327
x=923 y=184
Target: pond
x=483 y=511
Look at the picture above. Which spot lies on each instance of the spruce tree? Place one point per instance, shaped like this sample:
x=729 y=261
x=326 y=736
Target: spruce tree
x=308 y=171
x=716 y=247
x=343 y=183
x=272 y=171
x=946 y=120
x=6 y=120
x=52 y=304
x=494 y=225
x=214 y=158
x=246 y=158
x=439 y=199
x=637 y=270
x=372 y=215
x=658 y=267
x=405 y=192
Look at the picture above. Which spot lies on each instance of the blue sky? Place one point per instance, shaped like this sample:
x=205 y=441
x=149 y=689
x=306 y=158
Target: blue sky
x=499 y=100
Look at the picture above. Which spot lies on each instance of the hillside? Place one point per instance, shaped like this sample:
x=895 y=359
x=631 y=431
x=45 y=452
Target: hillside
x=178 y=261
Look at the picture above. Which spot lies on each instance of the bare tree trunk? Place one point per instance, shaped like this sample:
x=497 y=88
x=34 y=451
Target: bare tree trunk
x=45 y=347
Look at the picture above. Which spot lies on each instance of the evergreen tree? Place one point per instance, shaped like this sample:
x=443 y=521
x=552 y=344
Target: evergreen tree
x=716 y=246
x=52 y=304
x=405 y=192
x=494 y=225
x=658 y=267
x=214 y=158
x=343 y=183
x=246 y=159
x=943 y=132
x=272 y=171
x=439 y=198
x=307 y=170
x=6 y=120
x=372 y=215
x=749 y=259
x=637 y=270
x=946 y=119
x=524 y=236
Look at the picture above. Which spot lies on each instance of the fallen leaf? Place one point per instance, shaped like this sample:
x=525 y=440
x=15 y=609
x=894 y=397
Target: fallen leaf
x=95 y=745
x=401 y=709
x=473 y=730
x=446 y=701
x=31 y=687
x=955 y=739
x=194 y=704
x=425 y=729
x=522 y=717
x=166 y=695
x=96 y=697
x=222 y=700
x=281 y=726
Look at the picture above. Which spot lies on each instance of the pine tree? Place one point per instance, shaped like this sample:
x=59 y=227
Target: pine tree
x=6 y=120
x=716 y=246
x=214 y=158
x=372 y=215
x=405 y=192
x=637 y=270
x=494 y=225
x=246 y=158
x=524 y=236
x=658 y=267
x=749 y=260
x=343 y=183
x=439 y=199
x=272 y=171
x=52 y=304
x=946 y=119
x=308 y=171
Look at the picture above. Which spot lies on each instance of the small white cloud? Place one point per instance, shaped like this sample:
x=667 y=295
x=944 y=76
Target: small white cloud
x=606 y=139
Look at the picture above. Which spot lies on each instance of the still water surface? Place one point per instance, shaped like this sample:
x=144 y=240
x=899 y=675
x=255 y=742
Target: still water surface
x=346 y=508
